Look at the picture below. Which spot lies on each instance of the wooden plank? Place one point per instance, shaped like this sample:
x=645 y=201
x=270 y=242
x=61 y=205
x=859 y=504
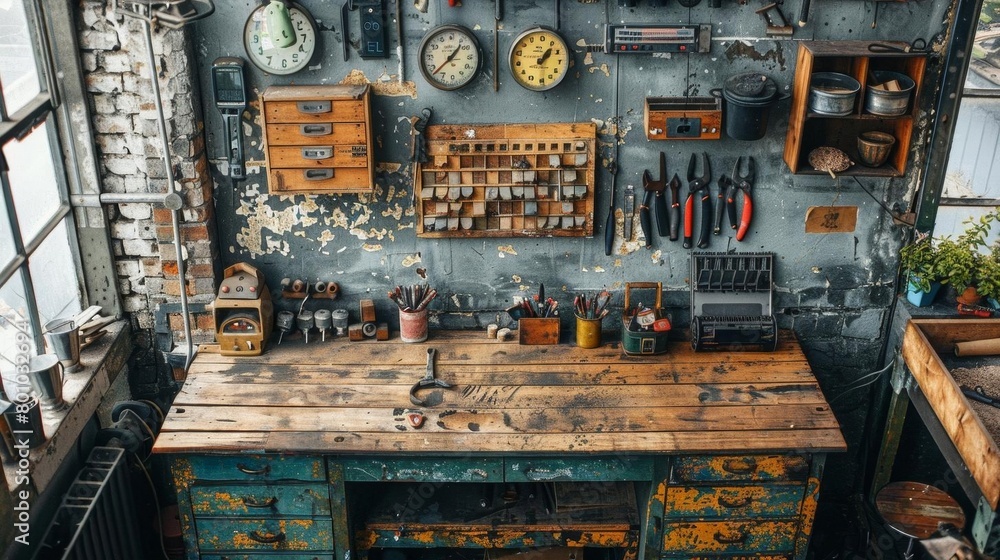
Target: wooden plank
x=243 y=373
x=500 y=396
x=942 y=334
x=415 y=441
x=508 y=420
x=960 y=422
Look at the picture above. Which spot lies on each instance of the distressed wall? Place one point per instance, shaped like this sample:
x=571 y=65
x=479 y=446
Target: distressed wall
x=833 y=290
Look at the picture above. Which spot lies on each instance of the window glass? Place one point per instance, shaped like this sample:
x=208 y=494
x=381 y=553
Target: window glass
x=6 y=239
x=974 y=160
x=32 y=179
x=15 y=331
x=949 y=220
x=53 y=275
x=18 y=67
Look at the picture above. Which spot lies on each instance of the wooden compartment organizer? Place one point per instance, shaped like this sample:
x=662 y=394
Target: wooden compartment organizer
x=808 y=130
x=507 y=180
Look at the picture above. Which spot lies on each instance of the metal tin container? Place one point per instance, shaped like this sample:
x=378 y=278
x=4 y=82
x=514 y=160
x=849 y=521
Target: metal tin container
x=637 y=340
x=887 y=103
x=833 y=94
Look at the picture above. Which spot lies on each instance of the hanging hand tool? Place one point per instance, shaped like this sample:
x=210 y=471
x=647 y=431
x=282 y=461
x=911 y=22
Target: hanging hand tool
x=629 y=208
x=658 y=188
x=772 y=16
x=720 y=204
x=497 y=16
x=804 y=13
x=644 y=221
x=696 y=185
x=428 y=380
x=343 y=28
x=609 y=224
x=743 y=183
x=675 y=207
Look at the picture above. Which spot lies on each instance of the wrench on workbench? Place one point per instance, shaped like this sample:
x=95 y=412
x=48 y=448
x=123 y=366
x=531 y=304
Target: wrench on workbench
x=428 y=380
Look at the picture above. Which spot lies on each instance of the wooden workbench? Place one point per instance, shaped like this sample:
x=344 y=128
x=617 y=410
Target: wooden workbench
x=722 y=452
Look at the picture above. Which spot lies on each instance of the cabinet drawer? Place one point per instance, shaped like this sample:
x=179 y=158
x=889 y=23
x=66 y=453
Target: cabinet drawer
x=532 y=469
x=423 y=470
x=704 y=468
x=318 y=155
x=255 y=467
x=315 y=133
x=269 y=556
x=730 y=536
x=314 y=110
x=734 y=501
x=341 y=179
x=264 y=534
x=261 y=499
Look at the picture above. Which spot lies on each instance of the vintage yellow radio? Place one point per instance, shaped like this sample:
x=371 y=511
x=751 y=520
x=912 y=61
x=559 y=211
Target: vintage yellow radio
x=243 y=312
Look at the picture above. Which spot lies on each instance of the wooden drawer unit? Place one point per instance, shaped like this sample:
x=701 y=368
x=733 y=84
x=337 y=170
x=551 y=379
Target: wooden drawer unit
x=258 y=499
x=257 y=468
x=265 y=534
x=740 y=468
x=727 y=501
x=748 y=537
x=318 y=139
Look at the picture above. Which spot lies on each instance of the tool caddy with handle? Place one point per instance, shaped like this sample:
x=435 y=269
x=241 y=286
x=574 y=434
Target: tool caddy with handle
x=731 y=302
x=646 y=335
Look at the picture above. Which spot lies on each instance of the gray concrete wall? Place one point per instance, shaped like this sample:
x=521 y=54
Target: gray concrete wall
x=833 y=290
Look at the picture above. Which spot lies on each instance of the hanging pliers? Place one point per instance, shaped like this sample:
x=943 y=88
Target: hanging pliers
x=655 y=188
x=742 y=183
x=696 y=185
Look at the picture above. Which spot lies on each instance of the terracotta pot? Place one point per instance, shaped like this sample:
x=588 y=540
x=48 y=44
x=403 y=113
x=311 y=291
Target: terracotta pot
x=969 y=297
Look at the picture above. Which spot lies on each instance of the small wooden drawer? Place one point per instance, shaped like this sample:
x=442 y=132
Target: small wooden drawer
x=261 y=499
x=314 y=111
x=255 y=468
x=317 y=155
x=321 y=179
x=706 y=468
x=316 y=133
x=422 y=470
x=776 y=500
x=545 y=469
x=264 y=534
x=730 y=537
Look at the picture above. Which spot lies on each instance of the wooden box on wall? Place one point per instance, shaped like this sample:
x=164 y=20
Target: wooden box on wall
x=808 y=130
x=318 y=139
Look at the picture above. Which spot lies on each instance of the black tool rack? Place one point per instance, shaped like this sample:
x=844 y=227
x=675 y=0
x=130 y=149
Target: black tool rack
x=732 y=300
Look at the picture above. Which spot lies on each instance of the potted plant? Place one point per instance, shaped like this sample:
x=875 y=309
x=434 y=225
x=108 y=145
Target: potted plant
x=920 y=260
x=988 y=274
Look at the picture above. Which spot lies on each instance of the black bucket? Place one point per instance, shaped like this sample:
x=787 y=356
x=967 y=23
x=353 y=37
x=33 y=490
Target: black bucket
x=748 y=101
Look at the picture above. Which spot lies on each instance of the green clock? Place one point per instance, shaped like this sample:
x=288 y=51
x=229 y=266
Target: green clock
x=261 y=47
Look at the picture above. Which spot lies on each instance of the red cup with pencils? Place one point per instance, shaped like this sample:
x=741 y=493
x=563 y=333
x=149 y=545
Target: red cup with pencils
x=590 y=313
x=412 y=302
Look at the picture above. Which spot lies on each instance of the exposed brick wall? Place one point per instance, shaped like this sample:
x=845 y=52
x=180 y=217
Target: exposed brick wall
x=127 y=136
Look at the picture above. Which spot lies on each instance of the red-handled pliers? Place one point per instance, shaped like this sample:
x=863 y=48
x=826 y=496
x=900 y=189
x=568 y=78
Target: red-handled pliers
x=696 y=184
x=743 y=183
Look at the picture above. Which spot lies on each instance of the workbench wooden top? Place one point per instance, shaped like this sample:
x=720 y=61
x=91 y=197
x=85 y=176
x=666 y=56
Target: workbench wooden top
x=342 y=397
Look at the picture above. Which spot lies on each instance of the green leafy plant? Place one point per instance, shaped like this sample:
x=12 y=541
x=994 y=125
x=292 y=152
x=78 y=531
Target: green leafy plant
x=920 y=260
x=988 y=273
x=960 y=262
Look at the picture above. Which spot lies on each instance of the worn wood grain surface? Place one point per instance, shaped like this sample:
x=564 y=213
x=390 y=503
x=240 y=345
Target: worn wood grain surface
x=342 y=397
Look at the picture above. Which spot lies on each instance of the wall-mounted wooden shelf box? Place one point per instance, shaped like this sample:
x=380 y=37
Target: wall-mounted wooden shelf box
x=318 y=139
x=807 y=130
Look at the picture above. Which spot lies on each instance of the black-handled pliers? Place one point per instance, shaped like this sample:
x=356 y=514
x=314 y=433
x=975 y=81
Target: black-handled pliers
x=696 y=184
x=742 y=183
x=655 y=189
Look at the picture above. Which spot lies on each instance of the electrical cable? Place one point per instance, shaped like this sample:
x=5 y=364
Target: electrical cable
x=156 y=504
x=862 y=382
x=887 y=210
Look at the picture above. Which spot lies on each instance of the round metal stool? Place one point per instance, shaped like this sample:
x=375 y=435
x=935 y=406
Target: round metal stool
x=914 y=509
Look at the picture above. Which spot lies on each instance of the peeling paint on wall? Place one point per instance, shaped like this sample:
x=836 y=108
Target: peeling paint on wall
x=506 y=250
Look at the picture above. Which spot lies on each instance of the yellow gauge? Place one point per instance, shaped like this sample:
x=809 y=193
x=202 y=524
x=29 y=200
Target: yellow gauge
x=539 y=59
x=449 y=57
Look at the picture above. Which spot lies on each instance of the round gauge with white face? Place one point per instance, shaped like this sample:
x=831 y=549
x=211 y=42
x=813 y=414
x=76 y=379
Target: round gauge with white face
x=539 y=59
x=449 y=57
x=262 y=48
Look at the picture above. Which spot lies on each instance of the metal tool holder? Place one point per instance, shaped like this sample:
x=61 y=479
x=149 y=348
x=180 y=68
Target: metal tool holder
x=732 y=301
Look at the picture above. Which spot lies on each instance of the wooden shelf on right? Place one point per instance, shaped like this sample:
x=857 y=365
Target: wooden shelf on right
x=809 y=130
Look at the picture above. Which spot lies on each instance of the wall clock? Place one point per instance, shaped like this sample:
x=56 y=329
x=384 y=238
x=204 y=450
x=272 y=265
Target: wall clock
x=264 y=54
x=449 y=57
x=539 y=59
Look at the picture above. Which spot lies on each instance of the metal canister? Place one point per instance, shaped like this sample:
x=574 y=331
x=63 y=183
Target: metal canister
x=340 y=319
x=324 y=321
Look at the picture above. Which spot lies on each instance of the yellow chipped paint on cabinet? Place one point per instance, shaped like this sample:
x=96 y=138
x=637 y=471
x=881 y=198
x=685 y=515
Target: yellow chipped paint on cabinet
x=699 y=468
x=730 y=536
x=264 y=534
x=775 y=500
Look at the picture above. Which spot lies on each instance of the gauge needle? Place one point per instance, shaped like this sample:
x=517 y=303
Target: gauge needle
x=447 y=60
x=545 y=56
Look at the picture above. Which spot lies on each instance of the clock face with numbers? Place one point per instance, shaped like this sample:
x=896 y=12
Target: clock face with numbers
x=264 y=54
x=539 y=59
x=449 y=57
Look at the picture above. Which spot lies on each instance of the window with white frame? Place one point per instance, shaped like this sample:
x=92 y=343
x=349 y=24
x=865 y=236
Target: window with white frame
x=972 y=184
x=39 y=264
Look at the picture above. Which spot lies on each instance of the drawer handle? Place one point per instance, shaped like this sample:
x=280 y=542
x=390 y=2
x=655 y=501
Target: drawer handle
x=252 y=503
x=316 y=129
x=247 y=470
x=266 y=539
x=734 y=504
x=741 y=538
x=318 y=174
x=314 y=107
x=317 y=152
x=739 y=466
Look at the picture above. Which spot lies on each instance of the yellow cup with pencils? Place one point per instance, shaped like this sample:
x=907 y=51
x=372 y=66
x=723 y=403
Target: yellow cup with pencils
x=590 y=313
